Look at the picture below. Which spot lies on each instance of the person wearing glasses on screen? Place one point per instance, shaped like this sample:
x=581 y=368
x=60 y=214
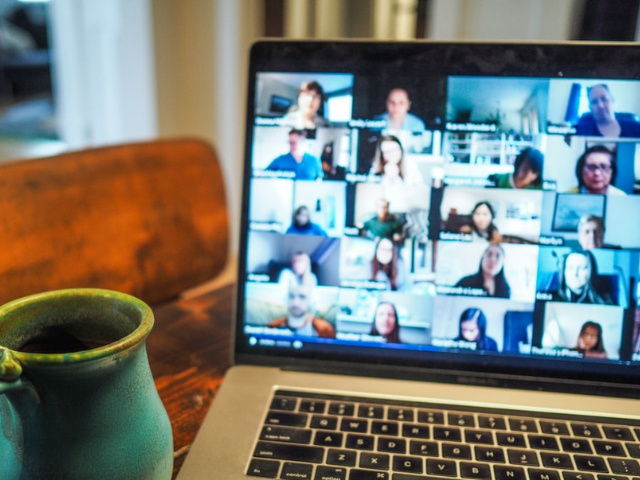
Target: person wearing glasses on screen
x=304 y=114
x=603 y=121
x=385 y=322
x=577 y=275
x=397 y=115
x=596 y=170
x=490 y=276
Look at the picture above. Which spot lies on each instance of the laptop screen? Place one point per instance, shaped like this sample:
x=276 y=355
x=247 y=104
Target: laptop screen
x=466 y=207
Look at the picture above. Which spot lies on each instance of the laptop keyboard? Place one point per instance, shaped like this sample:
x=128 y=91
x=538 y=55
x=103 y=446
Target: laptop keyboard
x=324 y=437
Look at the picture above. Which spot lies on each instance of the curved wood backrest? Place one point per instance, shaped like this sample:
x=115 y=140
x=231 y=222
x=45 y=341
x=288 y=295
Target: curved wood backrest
x=149 y=219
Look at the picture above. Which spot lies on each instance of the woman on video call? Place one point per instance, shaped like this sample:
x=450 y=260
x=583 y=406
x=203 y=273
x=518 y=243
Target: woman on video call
x=386 y=265
x=490 y=275
x=577 y=274
x=482 y=226
x=596 y=171
x=388 y=162
x=590 y=342
x=385 y=322
x=473 y=328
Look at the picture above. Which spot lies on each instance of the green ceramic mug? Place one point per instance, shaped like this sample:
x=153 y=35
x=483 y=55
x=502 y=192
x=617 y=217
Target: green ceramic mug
x=77 y=399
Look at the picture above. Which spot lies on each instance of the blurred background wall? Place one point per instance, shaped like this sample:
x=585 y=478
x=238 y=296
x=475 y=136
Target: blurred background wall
x=76 y=73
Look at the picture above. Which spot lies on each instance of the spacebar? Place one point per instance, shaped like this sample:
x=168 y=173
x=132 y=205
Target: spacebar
x=286 y=451
x=403 y=476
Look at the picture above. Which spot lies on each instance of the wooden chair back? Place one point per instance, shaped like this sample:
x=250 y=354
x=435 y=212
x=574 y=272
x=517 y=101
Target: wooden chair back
x=148 y=219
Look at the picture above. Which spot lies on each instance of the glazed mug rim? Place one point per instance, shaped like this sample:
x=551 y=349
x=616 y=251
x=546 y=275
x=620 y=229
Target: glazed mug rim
x=136 y=337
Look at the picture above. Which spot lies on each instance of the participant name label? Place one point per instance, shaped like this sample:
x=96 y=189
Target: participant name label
x=471 y=127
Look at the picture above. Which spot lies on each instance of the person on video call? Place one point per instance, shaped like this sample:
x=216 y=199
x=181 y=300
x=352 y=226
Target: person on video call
x=385 y=322
x=591 y=232
x=304 y=165
x=387 y=266
x=300 y=272
x=300 y=319
x=482 y=226
x=384 y=224
x=304 y=114
x=590 y=342
x=577 y=276
x=388 y=163
x=473 y=328
x=397 y=115
x=527 y=171
x=603 y=121
x=596 y=170
x=301 y=224
x=490 y=276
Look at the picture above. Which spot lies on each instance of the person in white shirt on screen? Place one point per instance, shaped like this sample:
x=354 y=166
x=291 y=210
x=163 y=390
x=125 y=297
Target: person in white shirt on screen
x=300 y=272
x=397 y=115
x=305 y=114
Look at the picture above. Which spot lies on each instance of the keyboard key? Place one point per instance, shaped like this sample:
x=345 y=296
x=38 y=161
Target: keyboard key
x=263 y=468
x=633 y=449
x=478 y=471
x=523 y=425
x=339 y=408
x=445 y=433
x=324 y=423
x=284 y=403
x=344 y=458
x=328 y=439
x=554 y=428
x=541 y=442
x=637 y=430
x=370 y=411
x=385 y=428
x=586 y=430
x=355 y=425
x=508 y=473
x=523 y=457
x=392 y=445
x=456 y=450
x=302 y=471
x=577 y=476
x=575 y=445
x=612 y=449
x=429 y=416
x=285 y=434
x=368 y=475
x=401 y=414
x=510 y=440
x=286 y=451
x=415 y=431
x=408 y=464
x=557 y=460
x=495 y=423
x=445 y=468
x=429 y=449
x=359 y=442
x=313 y=406
x=483 y=437
x=330 y=473
x=611 y=477
x=621 y=466
x=461 y=420
x=541 y=474
x=618 y=433
x=287 y=419
x=489 y=454
x=376 y=461
x=590 y=463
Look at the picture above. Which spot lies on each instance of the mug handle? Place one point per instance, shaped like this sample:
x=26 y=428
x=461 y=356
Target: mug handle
x=10 y=371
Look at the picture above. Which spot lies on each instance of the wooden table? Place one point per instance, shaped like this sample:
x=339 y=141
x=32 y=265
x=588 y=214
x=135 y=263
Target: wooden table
x=189 y=351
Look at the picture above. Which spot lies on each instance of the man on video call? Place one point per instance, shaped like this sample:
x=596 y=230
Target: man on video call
x=300 y=320
x=384 y=224
x=397 y=115
x=304 y=165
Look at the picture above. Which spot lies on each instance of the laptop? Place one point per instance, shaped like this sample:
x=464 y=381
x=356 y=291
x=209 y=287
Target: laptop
x=438 y=268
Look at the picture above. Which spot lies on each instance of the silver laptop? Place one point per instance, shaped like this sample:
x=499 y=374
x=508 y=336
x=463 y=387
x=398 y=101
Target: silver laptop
x=438 y=269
